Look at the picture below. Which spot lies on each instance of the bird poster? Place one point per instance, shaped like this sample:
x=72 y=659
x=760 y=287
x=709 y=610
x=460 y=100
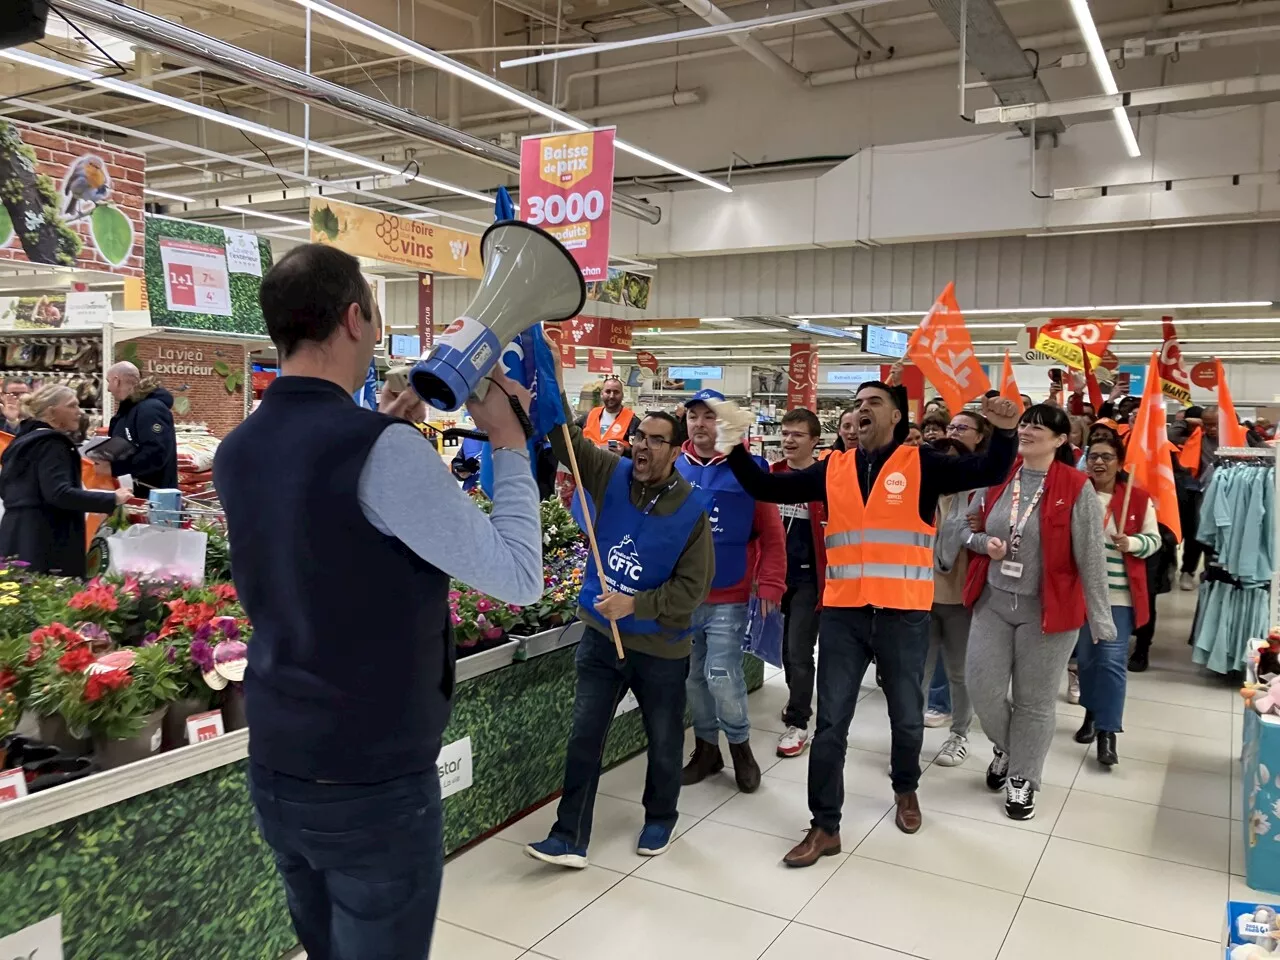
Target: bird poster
x=68 y=201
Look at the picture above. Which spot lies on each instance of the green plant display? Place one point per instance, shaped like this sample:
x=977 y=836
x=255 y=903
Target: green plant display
x=112 y=233
x=325 y=221
x=232 y=379
x=246 y=312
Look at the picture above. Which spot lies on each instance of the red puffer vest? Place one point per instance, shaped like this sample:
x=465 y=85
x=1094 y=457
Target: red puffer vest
x=1061 y=592
x=1133 y=567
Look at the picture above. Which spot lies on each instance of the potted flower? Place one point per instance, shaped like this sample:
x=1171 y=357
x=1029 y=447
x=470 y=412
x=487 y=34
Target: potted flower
x=219 y=651
x=188 y=634
x=558 y=526
x=120 y=699
x=479 y=622
x=56 y=657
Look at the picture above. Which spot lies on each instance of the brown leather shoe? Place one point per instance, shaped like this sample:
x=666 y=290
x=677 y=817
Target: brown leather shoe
x=745 y=769
x=817 y=843
x=908 y=815
x=704 y=761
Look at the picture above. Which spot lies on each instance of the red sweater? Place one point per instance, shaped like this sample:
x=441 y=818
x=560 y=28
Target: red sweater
x=766 y=553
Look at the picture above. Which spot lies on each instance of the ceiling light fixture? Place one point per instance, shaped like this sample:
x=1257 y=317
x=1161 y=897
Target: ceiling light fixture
x=1102 y=67
x=214 y=116
x=495 y=87
x=1046 y=311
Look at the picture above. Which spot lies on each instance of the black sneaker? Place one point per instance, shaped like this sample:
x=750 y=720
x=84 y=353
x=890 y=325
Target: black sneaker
x=997 y=771
x=1139 y=661
x=1019 y=799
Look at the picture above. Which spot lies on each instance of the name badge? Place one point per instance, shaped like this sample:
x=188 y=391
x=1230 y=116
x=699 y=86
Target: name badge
x=1011 y=568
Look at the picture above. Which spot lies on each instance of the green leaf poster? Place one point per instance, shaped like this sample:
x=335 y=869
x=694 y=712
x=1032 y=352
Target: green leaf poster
x=192 y=283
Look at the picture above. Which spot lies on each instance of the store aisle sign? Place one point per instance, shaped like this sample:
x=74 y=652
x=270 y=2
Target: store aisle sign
x=242 y=253
x=851 y=378
x=599 y=361
x=566 y=188
x=802 y=377
x=53 y=311
x=602 y=332
x=883 y=342
x=696 y=373
x=379 y=235
x=1205 y=374
x=454 y=767
x=195 y=277
x=40 y=941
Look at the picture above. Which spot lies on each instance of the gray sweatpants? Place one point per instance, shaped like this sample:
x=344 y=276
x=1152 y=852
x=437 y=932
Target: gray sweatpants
x=949 y=637
x=1006 y=645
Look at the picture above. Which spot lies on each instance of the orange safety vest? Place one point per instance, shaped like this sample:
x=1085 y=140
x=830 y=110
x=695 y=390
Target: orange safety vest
x=1190 y=455
x=618 y=430
x=879 y=553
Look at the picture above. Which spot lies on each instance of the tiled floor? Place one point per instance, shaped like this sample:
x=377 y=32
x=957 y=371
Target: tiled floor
x=1135 y=862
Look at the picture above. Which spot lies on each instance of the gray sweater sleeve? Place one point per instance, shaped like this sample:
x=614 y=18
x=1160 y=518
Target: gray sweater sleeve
x=407 y=492
x=1090 y=551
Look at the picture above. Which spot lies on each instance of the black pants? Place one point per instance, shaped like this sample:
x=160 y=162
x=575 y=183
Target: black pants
x=1192 y=549
x=799 y=636
x=899 y=639
x=1142 y=636
x=603 y=680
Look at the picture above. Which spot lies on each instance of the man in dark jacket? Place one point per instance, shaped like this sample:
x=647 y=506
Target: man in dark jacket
x=144 y=417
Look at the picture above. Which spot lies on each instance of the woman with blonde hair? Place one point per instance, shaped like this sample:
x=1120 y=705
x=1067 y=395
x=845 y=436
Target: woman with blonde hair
x=44 y=501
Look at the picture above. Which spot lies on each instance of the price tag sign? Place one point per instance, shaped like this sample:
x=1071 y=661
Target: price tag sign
x=195 y=277
x=566 y=188
x=13 y=785
x=205 y=726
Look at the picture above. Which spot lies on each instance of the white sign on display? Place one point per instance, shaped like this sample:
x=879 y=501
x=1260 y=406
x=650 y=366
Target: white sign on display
x=884 y=342
x=40 y=941
x=243 y=255
x=454 y=766
x=852 y=377
x=202 y=727
x=195 y=277
x=695 y=373
x=87 y=309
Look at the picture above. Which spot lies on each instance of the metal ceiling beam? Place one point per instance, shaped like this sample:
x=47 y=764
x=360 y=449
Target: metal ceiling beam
x=1174 y=93
x=246 y=66
x=709 y=12
x=997 y=54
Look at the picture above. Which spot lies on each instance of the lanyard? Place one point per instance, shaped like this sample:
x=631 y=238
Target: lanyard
x=1018 y=525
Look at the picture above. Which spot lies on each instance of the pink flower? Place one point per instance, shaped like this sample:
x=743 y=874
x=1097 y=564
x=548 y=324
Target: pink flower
x=483 y=605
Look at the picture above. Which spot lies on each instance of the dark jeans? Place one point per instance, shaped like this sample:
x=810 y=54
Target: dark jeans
x=1143 y=636
x=939 y=690
x=361 y=863
x=799 y=636
x=850 y=636
x=603 y=680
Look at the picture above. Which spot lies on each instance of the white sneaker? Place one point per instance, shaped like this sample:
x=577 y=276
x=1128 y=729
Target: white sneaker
x=935 y=718
x=1187 y=582
x=1073 y=687
x=793 y=742
x=953 y=752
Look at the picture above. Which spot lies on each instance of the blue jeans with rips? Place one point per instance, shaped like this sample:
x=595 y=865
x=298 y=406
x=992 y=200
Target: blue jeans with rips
x=716 y=686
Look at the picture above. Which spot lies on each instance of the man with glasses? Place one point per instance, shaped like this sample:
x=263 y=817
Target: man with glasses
x=806 y=576
x=656 y=545
x=11 y=404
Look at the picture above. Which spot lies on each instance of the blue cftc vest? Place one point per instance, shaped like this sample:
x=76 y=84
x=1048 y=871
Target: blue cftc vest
x=639 y=549
x=731 y=511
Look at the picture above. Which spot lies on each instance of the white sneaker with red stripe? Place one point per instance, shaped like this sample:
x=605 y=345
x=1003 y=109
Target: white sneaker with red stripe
x=793 y=742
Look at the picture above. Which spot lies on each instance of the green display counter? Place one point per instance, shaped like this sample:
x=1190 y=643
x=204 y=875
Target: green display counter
x=160 y=860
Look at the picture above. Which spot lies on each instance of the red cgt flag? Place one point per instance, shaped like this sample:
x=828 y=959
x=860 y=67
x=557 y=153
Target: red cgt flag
x=943 y=351
x=1149 y=455
x=1008 y=385
x=1173 y=376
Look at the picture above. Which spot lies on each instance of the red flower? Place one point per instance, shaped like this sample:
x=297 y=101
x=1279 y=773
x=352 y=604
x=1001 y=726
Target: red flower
x=99 y=684
x=75 y=659
x=7 y=678
x=100 y=597
x=225 y=592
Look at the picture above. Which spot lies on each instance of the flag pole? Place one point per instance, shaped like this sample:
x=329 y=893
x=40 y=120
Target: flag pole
x=589 y=529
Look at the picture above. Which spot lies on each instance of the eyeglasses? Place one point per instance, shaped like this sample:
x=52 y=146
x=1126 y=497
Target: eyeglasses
x=960 y=427
x=1102 y=457
x=649 y=440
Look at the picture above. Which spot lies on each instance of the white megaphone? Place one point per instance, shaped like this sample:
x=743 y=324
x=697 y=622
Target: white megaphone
x=528 y=278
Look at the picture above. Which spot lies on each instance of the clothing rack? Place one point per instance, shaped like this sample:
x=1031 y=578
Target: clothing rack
x=1262 y=455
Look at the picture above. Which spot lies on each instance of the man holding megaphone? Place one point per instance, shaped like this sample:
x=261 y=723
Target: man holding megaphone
x=345 y=526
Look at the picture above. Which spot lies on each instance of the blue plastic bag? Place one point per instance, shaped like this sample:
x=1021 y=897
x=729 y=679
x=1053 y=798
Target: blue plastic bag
x=763 y=636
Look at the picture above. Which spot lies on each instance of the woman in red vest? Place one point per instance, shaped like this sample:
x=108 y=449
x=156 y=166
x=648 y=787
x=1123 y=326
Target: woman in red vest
x=1129 y=541
x=1038 y=574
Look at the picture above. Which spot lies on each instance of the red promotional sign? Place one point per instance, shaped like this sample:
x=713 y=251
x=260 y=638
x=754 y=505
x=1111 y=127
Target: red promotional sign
x=802 y=377
x=647 y=360
x=566 y=188
x=1205 y=374
x=426 y=312
x=599 y=361
x=597 y=332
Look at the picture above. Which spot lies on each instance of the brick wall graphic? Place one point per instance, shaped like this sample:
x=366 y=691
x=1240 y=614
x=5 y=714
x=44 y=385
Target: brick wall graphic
x=69 y=201
x=189 y=369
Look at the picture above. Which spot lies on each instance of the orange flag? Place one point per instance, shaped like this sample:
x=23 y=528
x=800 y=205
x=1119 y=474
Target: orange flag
x=1148 y=458
x=943 y=351
x=1008 y=385
x=1231 y=431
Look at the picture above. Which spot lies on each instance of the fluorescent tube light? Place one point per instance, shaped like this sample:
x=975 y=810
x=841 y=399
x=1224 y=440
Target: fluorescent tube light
x=214 y=116
x=1055 y=311
x=496 y=87
x=1102 y=67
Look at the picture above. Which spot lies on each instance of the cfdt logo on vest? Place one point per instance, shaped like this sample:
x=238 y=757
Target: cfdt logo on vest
x=895 y=485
